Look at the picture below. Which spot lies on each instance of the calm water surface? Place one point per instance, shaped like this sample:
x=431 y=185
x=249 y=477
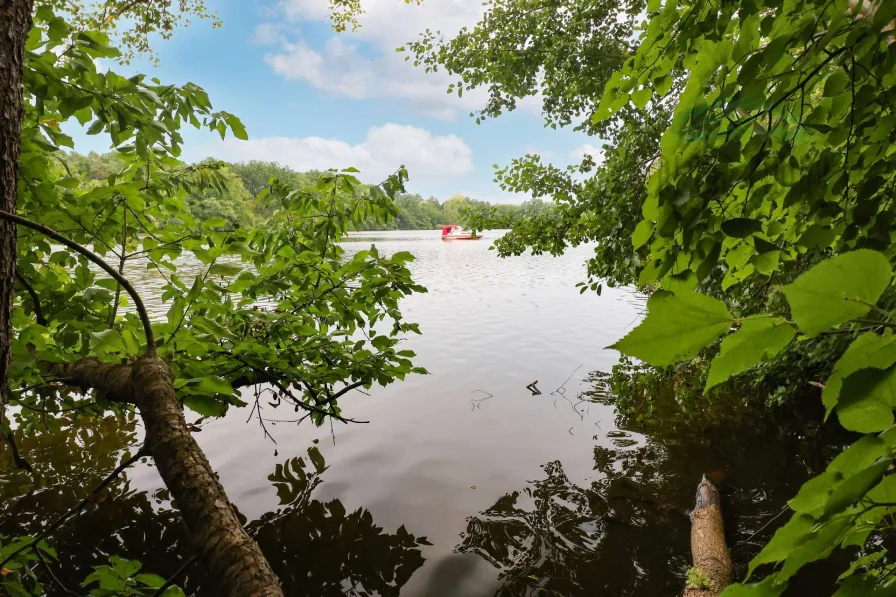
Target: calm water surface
x=463 y=483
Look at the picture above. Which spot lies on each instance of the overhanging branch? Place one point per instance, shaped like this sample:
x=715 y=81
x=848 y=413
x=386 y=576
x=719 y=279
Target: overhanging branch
x=96 y=259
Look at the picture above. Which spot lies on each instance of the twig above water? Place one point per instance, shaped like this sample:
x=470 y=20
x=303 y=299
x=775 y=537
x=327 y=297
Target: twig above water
x=477 y=401
x=561 y=390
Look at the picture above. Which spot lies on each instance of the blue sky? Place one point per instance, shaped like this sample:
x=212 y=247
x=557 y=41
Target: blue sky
x=311 y=98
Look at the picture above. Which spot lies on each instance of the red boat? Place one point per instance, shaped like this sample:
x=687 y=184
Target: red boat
x=455 y=232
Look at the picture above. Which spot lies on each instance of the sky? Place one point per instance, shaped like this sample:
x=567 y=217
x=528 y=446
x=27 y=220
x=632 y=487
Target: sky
x=314 y=99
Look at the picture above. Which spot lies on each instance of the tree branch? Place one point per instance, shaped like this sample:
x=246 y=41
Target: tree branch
x=178 y=572
x=113 y=310
x=49 y=570
x=138 y=302
x=38 y=313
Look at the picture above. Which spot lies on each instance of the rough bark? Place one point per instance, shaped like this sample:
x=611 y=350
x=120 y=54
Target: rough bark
x=227 y=553
x=15 y=22
x=710 y=554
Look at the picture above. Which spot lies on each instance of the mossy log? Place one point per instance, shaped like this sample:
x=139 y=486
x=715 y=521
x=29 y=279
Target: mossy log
x=711 y=571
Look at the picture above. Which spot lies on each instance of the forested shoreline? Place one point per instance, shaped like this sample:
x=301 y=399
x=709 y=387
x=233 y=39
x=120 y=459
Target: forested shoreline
x=242 y=182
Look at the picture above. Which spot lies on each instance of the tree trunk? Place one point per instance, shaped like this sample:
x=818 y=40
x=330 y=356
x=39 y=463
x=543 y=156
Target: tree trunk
x=229 y=556
x=15 y=22
x=227 y=553
x=712 y=569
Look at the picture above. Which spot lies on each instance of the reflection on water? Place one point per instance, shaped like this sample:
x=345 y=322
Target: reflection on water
x=124 y=521
x=465 y=483
x=628 y=532
x=318 y=548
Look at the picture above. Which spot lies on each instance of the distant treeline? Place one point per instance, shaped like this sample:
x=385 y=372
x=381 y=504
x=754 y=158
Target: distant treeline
x=237 y=203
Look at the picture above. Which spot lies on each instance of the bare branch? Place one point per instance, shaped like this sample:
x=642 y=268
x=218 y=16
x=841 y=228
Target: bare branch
x=174 y=576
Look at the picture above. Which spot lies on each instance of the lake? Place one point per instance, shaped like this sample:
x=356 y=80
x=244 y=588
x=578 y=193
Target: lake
x=463 y=483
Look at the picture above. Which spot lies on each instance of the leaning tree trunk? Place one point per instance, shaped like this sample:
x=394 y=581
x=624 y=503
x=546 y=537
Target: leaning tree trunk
x=712 y=563
x=15 y=22
x=230 y=557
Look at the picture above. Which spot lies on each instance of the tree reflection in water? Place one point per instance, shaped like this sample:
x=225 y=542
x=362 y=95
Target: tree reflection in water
x=316 y=548
x=628 y=533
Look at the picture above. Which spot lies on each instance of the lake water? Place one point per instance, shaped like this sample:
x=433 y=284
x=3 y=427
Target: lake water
x=464 y=483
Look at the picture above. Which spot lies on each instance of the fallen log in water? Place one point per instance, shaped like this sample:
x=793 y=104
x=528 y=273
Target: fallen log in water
x=711 y=570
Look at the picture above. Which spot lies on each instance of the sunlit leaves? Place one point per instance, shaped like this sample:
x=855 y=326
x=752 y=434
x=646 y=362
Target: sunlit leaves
x=838 y=290
x=121 y=577
x=867 y=401
x=677 y=327
x=766 y=588
x=757 y=339
x=235 y=304
x=784 y=541
x=868 y=350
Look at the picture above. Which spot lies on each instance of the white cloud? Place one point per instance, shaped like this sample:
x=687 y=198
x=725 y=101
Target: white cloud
x=391 y=23
x=596 y=153
x=269 y=34
x=339 y=68
x=429 y=158
x=364 y=64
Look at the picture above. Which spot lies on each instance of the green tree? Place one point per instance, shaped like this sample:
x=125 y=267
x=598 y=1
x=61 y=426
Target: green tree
x=70 y=340
x=228 y=200
x=758 y=136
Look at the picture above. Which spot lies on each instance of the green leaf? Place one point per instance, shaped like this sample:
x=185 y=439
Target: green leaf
x=215 y=384
x=785 y=540
x=869 y=398
x=835 y=83
x=108 y=341
x=868 y=350
x=766 y=588
x=151 y=580
x=861 y=562
x=837 y=290
x=205 y=406
x=756 y=340
x=816 y=546
x=766 y=263
x=855 y=487
x=643 y=232
x=741 y=227
x=225 y=269
x=677 y=327
x=814 y=493
x=864 y=586
x=641 y=97
x=859 y=455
